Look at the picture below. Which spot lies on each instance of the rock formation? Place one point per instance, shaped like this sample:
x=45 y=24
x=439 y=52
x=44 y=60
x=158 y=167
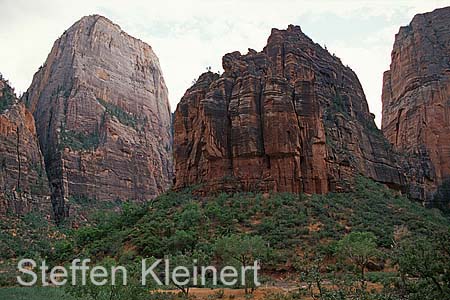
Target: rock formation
x=102 y=117
x=23 y=182
x=416 y=101
x=291 y=118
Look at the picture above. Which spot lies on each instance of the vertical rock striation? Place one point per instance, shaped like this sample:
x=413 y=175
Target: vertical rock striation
x=416 y=101
x=290 y=118
x=102 y=116
x=23 y=182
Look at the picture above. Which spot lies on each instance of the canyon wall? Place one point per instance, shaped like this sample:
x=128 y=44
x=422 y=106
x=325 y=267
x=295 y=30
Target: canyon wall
x=291 y=118
x=416 y=101
x=23 y=182
x=102 y=117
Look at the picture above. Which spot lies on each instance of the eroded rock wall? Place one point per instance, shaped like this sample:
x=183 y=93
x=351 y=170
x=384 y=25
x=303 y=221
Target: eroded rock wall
x=102 y=117
x=23 y=182
x=416 y=101
x=291 y=118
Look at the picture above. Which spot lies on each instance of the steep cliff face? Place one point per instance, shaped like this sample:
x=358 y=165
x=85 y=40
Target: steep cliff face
x=289 y=118
x=416 y=101
x=102 y=116
x=23 y=182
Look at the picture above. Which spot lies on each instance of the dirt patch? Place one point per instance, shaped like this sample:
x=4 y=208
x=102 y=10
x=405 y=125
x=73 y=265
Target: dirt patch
x=314 y=227
x=237 y=294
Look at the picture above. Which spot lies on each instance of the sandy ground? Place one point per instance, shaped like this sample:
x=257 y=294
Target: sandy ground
x=259 y=294
x=264 y=292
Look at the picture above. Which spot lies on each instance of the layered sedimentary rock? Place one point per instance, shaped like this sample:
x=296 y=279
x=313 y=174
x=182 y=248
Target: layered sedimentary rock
x=289 y=118
x=416 y=101
x=102 y=116
x=23 y=182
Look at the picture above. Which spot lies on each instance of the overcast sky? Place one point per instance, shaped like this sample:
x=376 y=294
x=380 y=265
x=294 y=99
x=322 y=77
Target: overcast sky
x=189 y=36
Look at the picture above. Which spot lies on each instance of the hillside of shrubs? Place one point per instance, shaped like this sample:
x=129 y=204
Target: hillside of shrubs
x=367 y=244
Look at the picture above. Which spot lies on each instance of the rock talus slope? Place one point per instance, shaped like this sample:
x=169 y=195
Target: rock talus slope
x=23 y=182
x=291 y=118
x=416 y=101
x=102 y=116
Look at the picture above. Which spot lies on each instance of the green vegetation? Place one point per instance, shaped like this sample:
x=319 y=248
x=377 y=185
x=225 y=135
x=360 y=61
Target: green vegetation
x=7 y=98
x=90 y=209
x=367 y=244
x=124 y=117
x=133 y=290
x=442 y=198
x=30 y=236
x=424 y=266
x=372 y=128
x=79 y=141
x=365 y=225
x=191 y=260
x=359 y=248
x=38 y=186
x=242 y=250
x=338 y=105
x=35 y=293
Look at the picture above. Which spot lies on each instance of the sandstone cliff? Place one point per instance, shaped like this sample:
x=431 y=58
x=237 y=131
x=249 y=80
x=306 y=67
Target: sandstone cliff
x=289 y=118
x=102 y=117
x=23 y=182
x=416 y=101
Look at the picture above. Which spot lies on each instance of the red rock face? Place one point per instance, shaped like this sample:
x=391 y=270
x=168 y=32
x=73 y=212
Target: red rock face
x=23 y=182
x=290 y=118
x=102 y=116
x=416 y=100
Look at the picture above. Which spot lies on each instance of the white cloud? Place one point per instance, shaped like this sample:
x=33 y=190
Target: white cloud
x=191 y=35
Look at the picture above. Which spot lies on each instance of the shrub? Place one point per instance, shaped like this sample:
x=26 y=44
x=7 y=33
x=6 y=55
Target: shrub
x=242 y=250
x=7 y=98
x=79 y=141
x=359 y=248
x=122 y=116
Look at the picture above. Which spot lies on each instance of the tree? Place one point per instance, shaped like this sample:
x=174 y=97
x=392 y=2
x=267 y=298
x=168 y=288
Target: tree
x=310 y=272
x=242 y=250
x=360 y=248
x=196 y=260
x=423 y=264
